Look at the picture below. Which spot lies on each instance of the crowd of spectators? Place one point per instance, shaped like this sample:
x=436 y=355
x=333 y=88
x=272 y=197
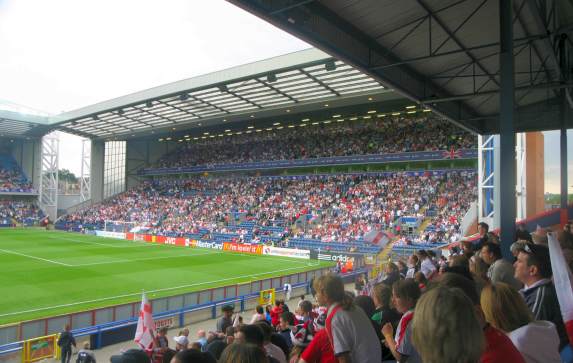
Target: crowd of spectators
x=449 y=312
x=335 y=208
x=12 y=181
x=14 y=212
x=380 y=136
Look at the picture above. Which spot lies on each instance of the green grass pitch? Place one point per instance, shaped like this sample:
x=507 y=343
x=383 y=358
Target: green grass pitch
x=46 y=273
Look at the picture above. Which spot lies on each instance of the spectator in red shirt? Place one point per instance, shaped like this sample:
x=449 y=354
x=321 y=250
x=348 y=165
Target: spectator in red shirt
x=276 y=313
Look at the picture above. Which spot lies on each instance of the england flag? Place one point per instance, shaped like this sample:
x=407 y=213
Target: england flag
x=145 y=325
x=378 y=237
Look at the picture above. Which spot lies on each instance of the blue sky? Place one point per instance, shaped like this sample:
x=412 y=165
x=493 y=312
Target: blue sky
x=60 y=55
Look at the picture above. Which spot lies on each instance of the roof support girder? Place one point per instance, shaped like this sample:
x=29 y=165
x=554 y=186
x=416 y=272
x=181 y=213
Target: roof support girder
x=325 y=29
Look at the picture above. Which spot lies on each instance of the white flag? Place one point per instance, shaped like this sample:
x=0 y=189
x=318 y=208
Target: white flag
x=145 y=325
x=563 y=280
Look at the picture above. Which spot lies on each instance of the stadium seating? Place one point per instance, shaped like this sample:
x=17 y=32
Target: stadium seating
x=380 y=136
x=328 y=212
x=19 y=212
x=12 y=179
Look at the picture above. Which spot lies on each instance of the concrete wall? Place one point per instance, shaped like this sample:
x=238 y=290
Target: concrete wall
x=136 y=158
x=66 y=201
x=96 y=170
x=535 y=182
x=27 y=154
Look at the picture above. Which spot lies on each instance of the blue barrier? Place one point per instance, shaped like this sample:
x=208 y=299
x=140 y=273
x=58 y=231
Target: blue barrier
x=97 y=331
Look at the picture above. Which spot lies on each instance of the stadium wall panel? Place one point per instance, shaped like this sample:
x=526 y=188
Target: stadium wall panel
x=108 y=325
x=230 y=291
x=276 y=283
x=204 y=297
x=96 y=170
x=82 y=320
x=103 y=316
x=159 y=305
x=218 y=294
x=244 y=289
x=33 y=329
x=191 y=299
x=57 y=324
x=175 y=302
x=10 y=333
x=198 y=315
x=124 y=312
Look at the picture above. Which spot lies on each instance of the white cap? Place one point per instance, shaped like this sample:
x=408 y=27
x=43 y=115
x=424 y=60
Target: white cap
x=182 y=340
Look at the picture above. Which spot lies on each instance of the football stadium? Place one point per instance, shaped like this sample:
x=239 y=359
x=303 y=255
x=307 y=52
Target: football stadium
x=386 y=194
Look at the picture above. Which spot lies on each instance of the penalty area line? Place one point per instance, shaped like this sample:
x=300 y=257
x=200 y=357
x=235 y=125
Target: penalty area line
x=147 y=291
x=35 y=258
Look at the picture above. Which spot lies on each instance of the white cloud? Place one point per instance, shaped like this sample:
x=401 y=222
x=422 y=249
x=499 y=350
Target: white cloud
x=64 y=54
x=60 y=55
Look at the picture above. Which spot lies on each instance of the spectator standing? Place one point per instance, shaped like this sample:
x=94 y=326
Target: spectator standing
x=533 y=269
x=65 y=342
x=286 y=323
x=258 y=315
x=427 y=267
x=274 y=343
x=244 y=353
x=276 y=313
x=446 y=328
x=288 y=290
x=498 y=346
x=253 y=334
x=412 y=267
x=319 y=350
x=483 y=229
x=392 y=274
x=405 y=294
x=226 y=320
x=161 y=344
x=499 y=269
x=349 y=329
x=202 y=339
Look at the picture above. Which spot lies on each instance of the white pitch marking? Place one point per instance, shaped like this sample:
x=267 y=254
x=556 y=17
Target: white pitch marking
x=147 y=244
x=34 y=257
x=139 y=259
x=103 y=244
x=149 y=291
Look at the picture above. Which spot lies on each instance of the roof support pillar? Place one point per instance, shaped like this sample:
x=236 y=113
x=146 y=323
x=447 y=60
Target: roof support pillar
x=564 y=192
x=563 y=113
x=506 y=208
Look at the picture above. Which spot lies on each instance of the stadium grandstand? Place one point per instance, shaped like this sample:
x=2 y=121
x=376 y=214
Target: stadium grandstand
x=370 y=164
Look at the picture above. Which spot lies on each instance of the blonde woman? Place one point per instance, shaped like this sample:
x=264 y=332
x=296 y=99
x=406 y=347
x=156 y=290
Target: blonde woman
x=506 y=310
x=446 y=328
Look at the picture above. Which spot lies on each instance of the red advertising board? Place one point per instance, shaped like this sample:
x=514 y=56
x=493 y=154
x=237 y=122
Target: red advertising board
x=243 y=248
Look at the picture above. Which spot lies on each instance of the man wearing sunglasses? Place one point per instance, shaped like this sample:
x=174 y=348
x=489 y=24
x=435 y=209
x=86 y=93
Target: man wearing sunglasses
x=533 y=269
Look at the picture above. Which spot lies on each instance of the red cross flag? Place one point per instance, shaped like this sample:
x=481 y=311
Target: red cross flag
x=145 y=325
x=378 y=237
